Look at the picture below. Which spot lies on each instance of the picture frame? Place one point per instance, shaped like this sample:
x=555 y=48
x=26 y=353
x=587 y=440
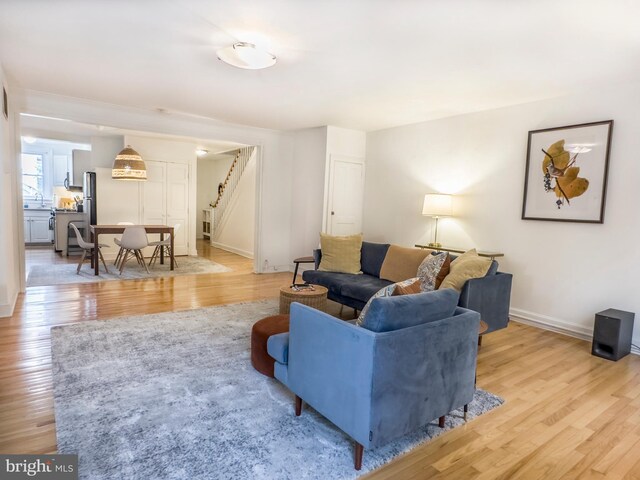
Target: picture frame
x=566 y=173
x=5 y=103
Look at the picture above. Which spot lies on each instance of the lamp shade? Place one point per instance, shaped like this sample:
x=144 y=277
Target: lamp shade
x=437 y=205
x=128 y=165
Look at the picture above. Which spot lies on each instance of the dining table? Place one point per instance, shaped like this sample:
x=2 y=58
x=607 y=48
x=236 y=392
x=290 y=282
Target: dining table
x=97 y=230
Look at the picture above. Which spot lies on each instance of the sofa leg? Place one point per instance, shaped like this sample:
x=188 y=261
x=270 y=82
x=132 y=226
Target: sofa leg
x=355 y=313
x=341 y=309
x=357 y=460
x=441 y=422
x=298 y=406
x=466 y=410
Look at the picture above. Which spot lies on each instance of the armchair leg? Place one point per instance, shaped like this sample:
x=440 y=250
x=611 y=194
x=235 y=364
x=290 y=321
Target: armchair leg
x=357 y=461
x=298 y=406
x=441 y=422
x=466 y=410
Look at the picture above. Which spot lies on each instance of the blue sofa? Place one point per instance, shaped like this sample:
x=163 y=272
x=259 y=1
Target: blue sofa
x=490 y=295
x=412 y=361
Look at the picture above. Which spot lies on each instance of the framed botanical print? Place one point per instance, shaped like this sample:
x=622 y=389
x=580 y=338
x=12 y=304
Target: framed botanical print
x=566 y=173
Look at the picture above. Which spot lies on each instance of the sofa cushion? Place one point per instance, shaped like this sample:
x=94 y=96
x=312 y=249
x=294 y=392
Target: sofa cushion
x=429 y=270
x=401 y=263
x=466 y=266
x=363 y=287
x=408 y=289
x=340 y=253
x=332 y=280
x=372 y=256
x=396 y=312
x=385 y=291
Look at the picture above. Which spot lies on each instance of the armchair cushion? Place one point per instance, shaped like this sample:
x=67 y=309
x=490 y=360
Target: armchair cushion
x=386 y=314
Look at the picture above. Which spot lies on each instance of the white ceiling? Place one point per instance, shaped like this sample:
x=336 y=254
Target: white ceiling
x=364 y=64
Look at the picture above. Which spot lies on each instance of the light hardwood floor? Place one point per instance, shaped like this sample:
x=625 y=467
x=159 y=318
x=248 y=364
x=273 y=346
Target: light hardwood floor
x=566 y=415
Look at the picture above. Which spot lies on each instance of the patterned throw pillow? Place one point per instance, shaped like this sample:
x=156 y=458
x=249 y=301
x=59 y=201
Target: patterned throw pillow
x=429 y=270
x=383 y=292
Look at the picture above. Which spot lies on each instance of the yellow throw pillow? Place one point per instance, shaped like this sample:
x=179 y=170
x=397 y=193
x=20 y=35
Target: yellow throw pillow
x=466 y=266
x=401 y=263
x=340 y=254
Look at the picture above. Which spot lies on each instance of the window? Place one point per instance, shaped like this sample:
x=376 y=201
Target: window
x=32 y=175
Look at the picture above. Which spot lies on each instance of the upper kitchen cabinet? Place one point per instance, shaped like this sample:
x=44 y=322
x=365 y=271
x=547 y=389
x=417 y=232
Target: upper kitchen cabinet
x=61 y=168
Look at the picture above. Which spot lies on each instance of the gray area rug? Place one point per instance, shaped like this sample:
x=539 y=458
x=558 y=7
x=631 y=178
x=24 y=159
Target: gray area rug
x=174 y=396
x=62 y=273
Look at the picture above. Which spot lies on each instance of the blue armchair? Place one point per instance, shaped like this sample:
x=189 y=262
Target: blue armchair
x=412 y=361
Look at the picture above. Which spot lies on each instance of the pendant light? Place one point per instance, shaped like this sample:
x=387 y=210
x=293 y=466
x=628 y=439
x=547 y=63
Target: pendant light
x=129 y=165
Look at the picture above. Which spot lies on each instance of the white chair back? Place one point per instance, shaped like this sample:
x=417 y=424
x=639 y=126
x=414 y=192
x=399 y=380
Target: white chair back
x=81 y=241
x=134 y=238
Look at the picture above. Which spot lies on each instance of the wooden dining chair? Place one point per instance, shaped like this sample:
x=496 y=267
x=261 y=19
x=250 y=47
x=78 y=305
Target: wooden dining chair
x=87 y=248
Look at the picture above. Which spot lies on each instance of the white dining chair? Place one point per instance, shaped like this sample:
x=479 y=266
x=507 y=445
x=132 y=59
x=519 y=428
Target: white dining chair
x=87 y=248
x=116 y=240
x=133 y=240
x=163 y=244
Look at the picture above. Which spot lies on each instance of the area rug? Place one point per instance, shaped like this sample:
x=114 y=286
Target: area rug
x=62 y=273
x=174 y=396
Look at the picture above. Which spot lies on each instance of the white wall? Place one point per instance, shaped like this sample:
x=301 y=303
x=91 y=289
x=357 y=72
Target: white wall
x=307 y=196
x=10 y=203
x=104 y=150
x=273 y=167
x=237 y=232
x=212 y=170
x=563 y=272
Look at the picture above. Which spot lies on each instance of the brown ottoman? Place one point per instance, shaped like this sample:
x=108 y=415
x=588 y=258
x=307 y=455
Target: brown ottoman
x=260 y=333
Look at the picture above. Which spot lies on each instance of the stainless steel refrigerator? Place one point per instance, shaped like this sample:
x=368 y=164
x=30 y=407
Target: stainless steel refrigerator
x=89 y=202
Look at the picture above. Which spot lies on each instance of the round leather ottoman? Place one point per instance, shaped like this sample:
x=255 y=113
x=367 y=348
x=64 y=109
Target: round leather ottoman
x=260 y=333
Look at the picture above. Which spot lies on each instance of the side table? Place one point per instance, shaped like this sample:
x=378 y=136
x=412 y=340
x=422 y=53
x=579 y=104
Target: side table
x=298 y=261
x=316 y=298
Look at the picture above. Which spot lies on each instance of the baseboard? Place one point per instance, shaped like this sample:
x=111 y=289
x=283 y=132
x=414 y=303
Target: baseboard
x=6 y=309
x=237 y=251
x=555 y=325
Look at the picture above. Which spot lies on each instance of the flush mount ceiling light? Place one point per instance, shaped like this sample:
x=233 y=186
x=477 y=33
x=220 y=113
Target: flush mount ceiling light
x=246 y=55
x=128 y=165
x=201 y=151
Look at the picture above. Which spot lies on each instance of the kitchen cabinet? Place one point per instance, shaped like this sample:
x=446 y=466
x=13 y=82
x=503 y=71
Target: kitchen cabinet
x=61 y=168
x=36 y=227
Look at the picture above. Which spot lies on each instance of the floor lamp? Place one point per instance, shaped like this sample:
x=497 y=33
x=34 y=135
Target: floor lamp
x=437 y=205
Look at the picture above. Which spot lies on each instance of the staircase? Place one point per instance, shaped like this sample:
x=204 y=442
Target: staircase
x=228 y=187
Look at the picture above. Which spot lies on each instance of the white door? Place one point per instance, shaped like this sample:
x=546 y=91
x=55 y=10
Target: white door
x=346 y=191
x=178 y=204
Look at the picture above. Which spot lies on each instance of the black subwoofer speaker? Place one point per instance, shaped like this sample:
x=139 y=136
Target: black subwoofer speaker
x=612 y=334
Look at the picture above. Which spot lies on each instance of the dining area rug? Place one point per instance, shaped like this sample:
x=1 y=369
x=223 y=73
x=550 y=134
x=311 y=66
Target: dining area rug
x=57 y=274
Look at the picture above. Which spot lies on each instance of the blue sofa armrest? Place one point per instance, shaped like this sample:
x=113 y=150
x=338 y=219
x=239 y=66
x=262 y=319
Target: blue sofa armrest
x=278 y=347
x=331 y=368
x=491 y=297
